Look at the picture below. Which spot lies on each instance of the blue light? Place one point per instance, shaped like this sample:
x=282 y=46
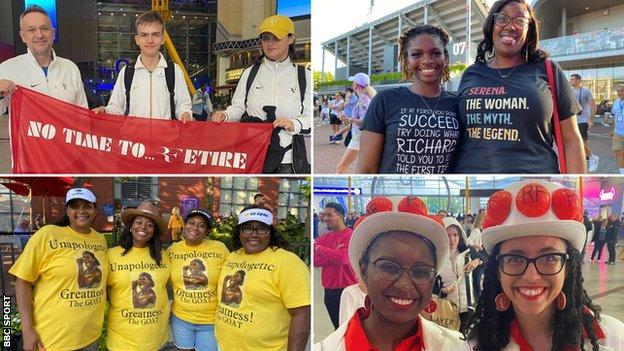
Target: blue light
x=293 y=8
x=50 y=7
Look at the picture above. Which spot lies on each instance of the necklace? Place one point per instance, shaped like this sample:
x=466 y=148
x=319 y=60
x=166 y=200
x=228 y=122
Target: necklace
x=504 y=76
x=426 y=104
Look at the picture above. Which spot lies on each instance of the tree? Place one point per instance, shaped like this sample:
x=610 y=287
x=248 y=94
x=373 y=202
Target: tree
x=317 y=77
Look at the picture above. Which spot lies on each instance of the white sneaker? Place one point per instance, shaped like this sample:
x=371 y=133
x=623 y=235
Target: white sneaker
x=593 y=163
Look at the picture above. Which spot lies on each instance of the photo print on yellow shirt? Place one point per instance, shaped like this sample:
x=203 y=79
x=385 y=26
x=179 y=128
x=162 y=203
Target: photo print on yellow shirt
x=143 y=296
x=193 y=275
x=232 y=294
x=89 y=272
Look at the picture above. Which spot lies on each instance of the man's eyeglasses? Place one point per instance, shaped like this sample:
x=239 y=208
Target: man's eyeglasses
x=502 y=20
x=547 y=264
x=390 y=270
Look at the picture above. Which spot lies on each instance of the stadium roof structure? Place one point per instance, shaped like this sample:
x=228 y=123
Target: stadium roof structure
x=370 y=40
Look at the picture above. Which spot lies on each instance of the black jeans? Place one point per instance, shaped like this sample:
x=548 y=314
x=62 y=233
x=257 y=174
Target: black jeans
x=611 y=248
x=598 y=245
x=332 y=304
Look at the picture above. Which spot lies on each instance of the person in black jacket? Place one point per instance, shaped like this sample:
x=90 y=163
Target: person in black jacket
x=613 y=228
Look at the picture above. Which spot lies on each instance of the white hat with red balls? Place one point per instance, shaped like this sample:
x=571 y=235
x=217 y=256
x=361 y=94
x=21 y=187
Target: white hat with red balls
x=533 y=208
x=408 y=214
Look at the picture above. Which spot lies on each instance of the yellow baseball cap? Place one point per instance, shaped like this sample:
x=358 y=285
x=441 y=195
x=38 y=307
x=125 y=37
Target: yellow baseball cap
x=278 y=25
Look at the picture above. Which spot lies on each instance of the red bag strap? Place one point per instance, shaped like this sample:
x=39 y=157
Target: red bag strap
x=558 y=137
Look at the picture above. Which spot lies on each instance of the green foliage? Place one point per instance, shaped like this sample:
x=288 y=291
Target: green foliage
x=222 y=230
x=306 y=190
x=382 y=78
x=16 y=320
x=110 y=239
x=329 y=77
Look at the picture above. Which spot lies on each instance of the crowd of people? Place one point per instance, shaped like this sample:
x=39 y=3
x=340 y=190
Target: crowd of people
x=255 y=297
x=154 y=87
x=503 y=108
x=403 y=278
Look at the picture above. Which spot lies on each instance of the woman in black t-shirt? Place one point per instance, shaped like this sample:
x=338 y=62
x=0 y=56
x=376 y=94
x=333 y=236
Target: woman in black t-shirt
x=505 y=105
x=413 y=129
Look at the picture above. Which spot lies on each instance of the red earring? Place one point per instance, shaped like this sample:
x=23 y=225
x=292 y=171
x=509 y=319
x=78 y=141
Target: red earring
x=561 y=301
x=502 y=302
x=432 y=306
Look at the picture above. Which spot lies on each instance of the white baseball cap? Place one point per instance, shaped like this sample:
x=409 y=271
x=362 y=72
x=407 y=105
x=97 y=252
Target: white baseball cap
x=407 y=214
x=79 y=193
x=533 y=208
x=361 y=79
x=256 y=214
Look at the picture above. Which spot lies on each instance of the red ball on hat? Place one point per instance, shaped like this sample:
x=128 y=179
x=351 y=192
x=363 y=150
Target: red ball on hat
x=413 y=204
x=566 y=204
x=533 y=200
x=378 y=204
x=358 y=221
x=435 y=218
x=498 y=208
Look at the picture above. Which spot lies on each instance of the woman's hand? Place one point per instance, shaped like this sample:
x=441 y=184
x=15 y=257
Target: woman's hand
x=99 y=110
x=449 y=289
x=31 y=340
x=472 y=265
x=285 y=123
x=218 y=116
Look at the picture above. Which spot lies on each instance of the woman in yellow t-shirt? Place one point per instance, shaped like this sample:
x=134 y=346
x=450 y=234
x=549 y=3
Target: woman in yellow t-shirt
x=264 y=290
x=195 y=267
x=139 y=272
x=61 y=276
x=175 y=224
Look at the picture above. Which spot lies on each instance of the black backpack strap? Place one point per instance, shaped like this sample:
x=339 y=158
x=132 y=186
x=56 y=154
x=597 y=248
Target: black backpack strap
x=128 y=76
x=250 y=79
x=301 y=77
x=170 y=78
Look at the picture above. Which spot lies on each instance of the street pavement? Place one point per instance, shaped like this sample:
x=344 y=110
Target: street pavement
x=327 y=156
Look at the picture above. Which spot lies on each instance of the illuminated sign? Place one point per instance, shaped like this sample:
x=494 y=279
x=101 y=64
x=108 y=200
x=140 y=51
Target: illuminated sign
x=50 y=7
x=234 y=74
x=337 y=191
x=607 y=195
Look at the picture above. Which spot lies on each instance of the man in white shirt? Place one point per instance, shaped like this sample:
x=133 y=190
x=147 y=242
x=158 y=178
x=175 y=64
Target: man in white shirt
x=40 y=69
x=149 y=95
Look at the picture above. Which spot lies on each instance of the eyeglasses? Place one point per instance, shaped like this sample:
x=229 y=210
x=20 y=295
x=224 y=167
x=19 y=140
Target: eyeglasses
x=261 y=230
x=547 y=264
x=502 y=20
x=390 y=270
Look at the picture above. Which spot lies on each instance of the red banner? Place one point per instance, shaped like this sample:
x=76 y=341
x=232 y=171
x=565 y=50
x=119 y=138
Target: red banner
x=52 y=136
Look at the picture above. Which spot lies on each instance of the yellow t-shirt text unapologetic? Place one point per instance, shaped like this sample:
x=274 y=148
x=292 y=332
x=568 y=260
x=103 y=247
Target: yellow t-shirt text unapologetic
x=194 y=275
x=255 y=292
x=69 y=272
x=138 y=315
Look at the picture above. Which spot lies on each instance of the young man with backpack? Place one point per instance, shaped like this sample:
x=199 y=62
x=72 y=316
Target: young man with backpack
x=152 y=87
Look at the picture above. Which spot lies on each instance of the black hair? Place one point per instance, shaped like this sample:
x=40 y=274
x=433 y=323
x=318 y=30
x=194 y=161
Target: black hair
x=154 y=244
x=64 y=221
x=200 y=263
x=411 y=33
x=349 y=89
x=337 y=207
x=530 y=49
x=92 y=255
x=258 y=195
x=577 y=76
x=461 y=245
x=276 y=240
x=242 y=275
x=491 y=328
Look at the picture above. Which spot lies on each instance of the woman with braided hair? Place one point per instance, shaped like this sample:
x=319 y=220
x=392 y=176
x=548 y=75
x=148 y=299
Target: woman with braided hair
x=533 y=296
x=413 y=129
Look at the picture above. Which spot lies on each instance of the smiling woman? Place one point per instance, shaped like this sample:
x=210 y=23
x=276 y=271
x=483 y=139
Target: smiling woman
x=264 y=290
x=533 y=295
x=397 y=252
x=66 y=264
x=515 y=131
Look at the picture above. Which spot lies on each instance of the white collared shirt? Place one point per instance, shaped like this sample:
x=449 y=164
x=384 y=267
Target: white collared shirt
x=63 y=81
x=149 y=96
